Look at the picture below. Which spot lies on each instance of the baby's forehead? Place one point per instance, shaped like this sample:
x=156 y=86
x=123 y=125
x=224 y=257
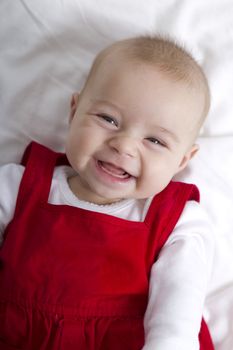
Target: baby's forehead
x=178 y=69
x=116 y=61
x=121 y=55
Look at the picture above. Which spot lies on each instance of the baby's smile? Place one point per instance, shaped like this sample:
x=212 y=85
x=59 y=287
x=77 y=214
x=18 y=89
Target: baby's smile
x=113 y=170
x=110 y=172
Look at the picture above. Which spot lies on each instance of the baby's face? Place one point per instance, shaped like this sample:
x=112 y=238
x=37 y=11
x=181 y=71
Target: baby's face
x=131 y=131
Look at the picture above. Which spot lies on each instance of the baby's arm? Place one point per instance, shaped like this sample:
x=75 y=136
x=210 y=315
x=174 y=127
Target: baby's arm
x=178 y=284
x=10 y=177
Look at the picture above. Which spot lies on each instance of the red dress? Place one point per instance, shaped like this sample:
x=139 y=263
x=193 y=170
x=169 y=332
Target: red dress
x=75 y=279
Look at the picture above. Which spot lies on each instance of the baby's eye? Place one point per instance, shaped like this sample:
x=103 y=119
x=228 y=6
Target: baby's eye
x=108 y=119
x=155 y=141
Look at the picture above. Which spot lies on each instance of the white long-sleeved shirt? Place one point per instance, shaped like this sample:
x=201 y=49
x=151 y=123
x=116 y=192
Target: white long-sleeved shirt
x=180 y=276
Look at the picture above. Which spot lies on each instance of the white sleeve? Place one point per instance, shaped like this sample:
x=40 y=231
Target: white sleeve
x=178 y=284
x=10 y=177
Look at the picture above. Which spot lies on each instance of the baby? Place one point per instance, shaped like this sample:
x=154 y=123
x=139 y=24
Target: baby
x=101 y=249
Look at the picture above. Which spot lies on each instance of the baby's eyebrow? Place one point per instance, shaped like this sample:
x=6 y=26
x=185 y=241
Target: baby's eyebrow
x=169 y=133
x=108 y=103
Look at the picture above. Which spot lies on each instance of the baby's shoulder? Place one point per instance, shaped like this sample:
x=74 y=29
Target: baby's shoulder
x=10 y=178
x=11 y=174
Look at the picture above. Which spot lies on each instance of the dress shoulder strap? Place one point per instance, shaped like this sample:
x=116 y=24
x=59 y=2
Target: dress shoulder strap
x=165 y=211
x=39 y=162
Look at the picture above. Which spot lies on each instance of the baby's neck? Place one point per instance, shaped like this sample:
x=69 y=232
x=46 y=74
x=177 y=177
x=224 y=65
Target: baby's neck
x=84 y=194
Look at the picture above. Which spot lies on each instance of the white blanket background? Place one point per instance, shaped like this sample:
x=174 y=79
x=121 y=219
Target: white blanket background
x=46 y=48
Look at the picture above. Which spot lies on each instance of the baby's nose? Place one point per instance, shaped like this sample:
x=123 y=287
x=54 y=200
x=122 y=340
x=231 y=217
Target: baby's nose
x=124 y=145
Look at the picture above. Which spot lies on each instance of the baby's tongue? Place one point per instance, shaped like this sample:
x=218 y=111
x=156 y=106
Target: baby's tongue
x=113 y=169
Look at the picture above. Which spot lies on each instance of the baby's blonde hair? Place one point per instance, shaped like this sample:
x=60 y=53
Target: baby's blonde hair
x=167 y=55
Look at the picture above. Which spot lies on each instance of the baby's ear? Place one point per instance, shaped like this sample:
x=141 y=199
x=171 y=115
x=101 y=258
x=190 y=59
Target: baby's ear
x=188 y=155
x=73 y=105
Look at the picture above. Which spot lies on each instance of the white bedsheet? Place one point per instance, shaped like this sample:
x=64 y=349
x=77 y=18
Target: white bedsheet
x=46 y=48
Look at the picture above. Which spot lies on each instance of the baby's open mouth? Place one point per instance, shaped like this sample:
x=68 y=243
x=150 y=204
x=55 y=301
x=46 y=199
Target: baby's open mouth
x=113 y=170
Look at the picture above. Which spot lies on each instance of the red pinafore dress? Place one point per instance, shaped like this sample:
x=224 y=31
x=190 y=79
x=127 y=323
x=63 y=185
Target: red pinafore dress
x=72 y=279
